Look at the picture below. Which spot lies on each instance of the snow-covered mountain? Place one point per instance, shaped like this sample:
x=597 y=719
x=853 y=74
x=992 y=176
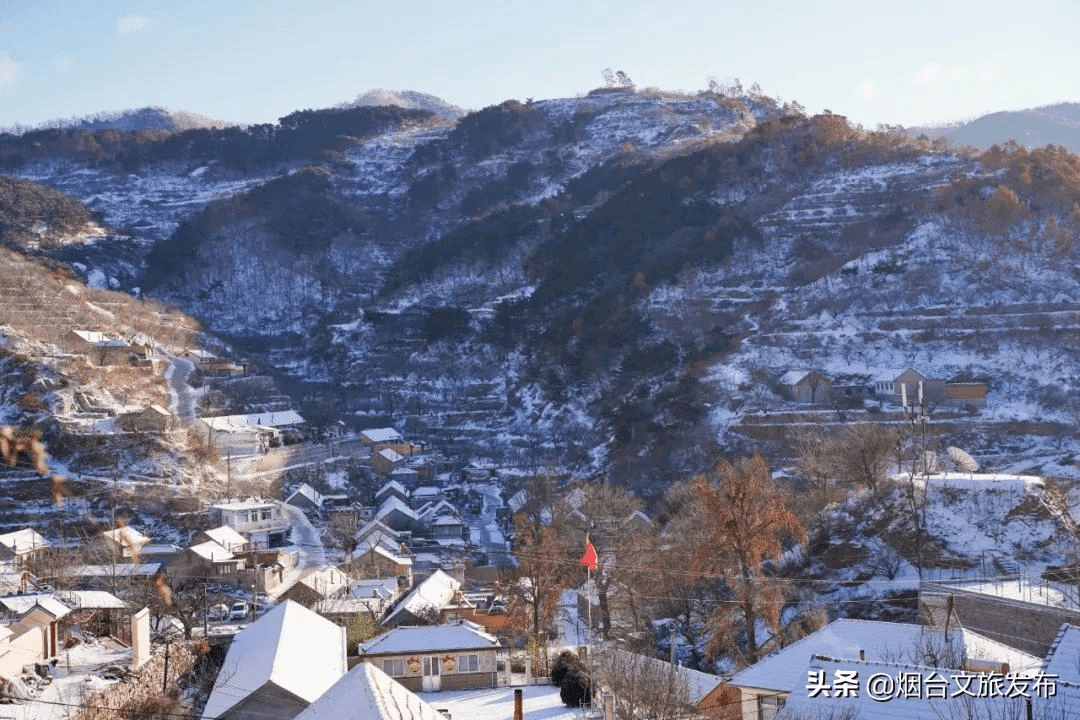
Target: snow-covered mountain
x=615 y=282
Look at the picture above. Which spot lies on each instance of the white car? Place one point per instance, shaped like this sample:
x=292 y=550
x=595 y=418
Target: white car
x=217 y=612
x=238 y=611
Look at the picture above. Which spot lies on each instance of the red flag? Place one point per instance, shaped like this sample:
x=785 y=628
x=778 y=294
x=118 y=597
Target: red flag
x=589 y=558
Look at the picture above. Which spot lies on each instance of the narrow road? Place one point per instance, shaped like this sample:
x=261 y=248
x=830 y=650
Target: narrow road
x=182 y=403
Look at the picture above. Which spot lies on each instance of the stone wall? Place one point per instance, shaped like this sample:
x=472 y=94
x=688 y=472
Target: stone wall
x=1026 y=626
x=143 y=688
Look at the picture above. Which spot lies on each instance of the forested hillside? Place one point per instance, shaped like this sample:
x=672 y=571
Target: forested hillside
x=614 y=283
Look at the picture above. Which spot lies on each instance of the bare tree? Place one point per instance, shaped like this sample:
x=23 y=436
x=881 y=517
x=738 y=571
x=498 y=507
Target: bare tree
x=642 y=686
x=745 y=522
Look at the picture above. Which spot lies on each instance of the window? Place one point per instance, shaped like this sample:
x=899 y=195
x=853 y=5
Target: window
x=768 y=706
x=264 y=514
x=468 y=663
x=393 y=668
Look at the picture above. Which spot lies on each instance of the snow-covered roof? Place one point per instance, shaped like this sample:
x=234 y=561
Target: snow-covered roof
x=434 y=638
x=250 y=504
x=381 y=435
x=441 y=508
x=394 y=503
x=1063 y=659
x=391 y=455
x=308 y=492
x=245 y=423
x=94 y=599
x=226 y=537
x=436 y=591
x=375 y=528
x=793 y=377
x=160 y=549
x=518 y=500
x=100 y=339
x=279 y=648
x=844 y=638
x=200 y=354
x=393 y=485
x=426 y=491
x=325 y=580
x=373 y=587
x=937 y=696
x=350 y=606
x=127 y=537
x=118 y=570
x=367 y=693
x=22 y=604
x=24 y=540
x=212 y=551
x=392 y=554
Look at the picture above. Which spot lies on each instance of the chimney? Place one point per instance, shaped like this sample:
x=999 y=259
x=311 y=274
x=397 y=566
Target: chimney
x=140 y=638
x=862 y=654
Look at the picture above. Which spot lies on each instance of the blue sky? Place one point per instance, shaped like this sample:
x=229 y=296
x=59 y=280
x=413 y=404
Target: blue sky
x=245 y=61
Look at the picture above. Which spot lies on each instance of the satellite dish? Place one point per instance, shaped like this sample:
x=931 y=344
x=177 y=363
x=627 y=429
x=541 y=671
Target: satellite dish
x=962 y=460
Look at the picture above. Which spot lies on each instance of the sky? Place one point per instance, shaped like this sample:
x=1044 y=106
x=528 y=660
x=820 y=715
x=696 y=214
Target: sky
x=246 y=61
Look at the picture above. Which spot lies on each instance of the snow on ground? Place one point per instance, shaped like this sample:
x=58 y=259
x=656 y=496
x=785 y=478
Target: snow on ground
x=539 y=702
x=73 y=681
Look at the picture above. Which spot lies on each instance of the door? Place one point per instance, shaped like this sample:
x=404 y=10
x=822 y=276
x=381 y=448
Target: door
x=431 y=678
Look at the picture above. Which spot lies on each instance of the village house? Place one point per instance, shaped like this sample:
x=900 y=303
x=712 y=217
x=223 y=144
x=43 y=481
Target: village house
x=966 y=394
x=391 y=488
x=207 y=560
x=224 y=536
x=306 y=497
x=803 y=386
x=437 y=598
x=316 y=585
x=396 y=514
x=763 y=688
x=425 y=494
x=21 y=645
x=386 y=461
x=430 y=658
x=369 y=598
x=122 y=544
x=261 y=522
x=198 y=356
x=405 y=475
x=374 y=437
x=368 y=693
x=937 y=696
x=98 y=612
x=277 y=666
x=102 y=348
x=44 y=611
x=112 y=576
x=153 y=418
x=21 y=548
x=911 y=386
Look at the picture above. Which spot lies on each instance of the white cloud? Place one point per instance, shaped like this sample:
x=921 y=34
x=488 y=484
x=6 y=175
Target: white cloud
x=929 y=73
x=130 y=24
x=9 y=71
x=868 y=89
x=63 y=63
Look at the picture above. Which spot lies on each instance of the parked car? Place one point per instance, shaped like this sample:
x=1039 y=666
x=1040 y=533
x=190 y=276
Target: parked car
x=217 y=612
x=238 y=611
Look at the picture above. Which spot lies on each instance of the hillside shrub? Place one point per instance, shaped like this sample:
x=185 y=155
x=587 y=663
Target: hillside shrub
x=572 y=678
